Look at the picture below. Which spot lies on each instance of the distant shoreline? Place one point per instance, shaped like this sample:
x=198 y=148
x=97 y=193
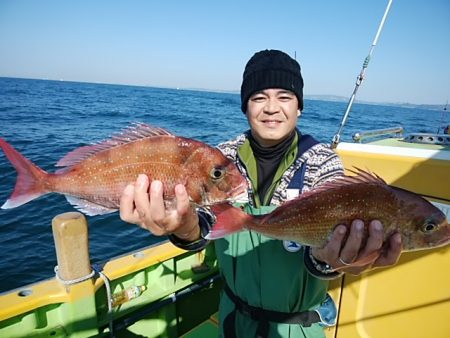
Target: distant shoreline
x=320 y=97
x=334 y=98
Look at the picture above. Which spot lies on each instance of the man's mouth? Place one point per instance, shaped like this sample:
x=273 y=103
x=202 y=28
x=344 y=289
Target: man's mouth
x=271 y=123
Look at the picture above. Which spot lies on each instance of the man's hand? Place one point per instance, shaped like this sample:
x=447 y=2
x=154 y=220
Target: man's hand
x=149 y=212
x=355 y=255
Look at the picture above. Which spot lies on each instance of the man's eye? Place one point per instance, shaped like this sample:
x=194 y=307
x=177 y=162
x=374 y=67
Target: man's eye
x=258 y=98
x=285 y=98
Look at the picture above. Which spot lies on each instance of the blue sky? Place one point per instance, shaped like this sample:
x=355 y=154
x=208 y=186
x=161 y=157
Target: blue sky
x=205 y=44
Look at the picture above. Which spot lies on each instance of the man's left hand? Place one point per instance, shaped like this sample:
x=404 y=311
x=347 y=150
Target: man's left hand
x=354 y=253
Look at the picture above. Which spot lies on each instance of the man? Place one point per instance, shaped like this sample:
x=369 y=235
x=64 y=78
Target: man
x=273 y=288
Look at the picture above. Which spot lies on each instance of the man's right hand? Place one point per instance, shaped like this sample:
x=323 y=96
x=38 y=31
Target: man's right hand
x=147 y=210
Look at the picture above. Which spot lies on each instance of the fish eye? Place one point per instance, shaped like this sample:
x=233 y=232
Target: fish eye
x=429 y=227
x=217 y=173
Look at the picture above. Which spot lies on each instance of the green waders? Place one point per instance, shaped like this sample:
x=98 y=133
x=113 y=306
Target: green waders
x=284 y=286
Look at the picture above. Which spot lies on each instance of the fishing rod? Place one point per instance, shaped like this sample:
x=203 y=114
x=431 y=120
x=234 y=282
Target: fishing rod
x=360 y=78
x=442 y=117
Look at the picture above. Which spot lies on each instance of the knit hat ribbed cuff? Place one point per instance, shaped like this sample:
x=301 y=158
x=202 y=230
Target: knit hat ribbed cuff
x=271 y=69
x=274 y=78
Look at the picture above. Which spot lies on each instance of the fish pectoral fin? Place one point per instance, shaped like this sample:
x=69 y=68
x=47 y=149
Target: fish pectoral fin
x=87 y=207
x=361 y=262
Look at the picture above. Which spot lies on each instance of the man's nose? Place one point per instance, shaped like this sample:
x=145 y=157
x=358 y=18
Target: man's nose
x=272 y=106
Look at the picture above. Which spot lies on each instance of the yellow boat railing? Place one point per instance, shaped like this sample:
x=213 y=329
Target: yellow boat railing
x=77 y=303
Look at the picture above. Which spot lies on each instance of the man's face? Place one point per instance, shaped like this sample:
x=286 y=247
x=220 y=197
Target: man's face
x=272 y=115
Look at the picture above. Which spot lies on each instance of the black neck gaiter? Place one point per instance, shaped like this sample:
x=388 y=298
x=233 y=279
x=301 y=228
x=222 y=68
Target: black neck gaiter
x=268 y=160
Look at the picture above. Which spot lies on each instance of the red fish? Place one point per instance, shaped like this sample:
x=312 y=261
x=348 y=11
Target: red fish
x=94 y=176
x=311 y=218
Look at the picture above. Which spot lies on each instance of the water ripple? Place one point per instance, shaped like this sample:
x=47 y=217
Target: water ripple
x=46 y=119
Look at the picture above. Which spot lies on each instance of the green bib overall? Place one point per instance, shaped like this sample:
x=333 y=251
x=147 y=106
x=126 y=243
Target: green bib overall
x=266 y=273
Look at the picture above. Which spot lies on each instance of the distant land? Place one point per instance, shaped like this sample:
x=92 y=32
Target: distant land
x=336 y=98
x=319 y=97
x=333 y=98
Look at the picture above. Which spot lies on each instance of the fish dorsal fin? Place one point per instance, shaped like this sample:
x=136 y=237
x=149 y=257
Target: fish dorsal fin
x=136 y=131
x=361 y=176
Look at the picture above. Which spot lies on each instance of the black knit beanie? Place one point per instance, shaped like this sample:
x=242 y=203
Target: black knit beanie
x=271 y=69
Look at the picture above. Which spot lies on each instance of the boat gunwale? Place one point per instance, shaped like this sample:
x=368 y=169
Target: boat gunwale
x=50 y=291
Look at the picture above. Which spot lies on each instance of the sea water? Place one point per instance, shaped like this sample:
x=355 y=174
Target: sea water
x=44 y=120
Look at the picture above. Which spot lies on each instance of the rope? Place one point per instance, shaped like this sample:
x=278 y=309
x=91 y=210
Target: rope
x=72 y=281
x=95 y=270
x=109 y=298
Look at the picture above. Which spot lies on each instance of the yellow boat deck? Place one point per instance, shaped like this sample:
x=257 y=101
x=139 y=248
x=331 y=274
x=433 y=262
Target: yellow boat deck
x=396 y=142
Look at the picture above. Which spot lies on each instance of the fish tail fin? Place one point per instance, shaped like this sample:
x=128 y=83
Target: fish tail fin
x=30 y=178
x=228 y=220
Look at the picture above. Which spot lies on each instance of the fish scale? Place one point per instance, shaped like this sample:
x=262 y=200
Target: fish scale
x=311 y=218
x=94 y=177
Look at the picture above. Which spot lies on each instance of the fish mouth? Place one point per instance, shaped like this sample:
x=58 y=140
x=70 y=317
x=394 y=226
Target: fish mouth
x=442 y=242
x=445 y=239
x=240 y=198
x=237 y=194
